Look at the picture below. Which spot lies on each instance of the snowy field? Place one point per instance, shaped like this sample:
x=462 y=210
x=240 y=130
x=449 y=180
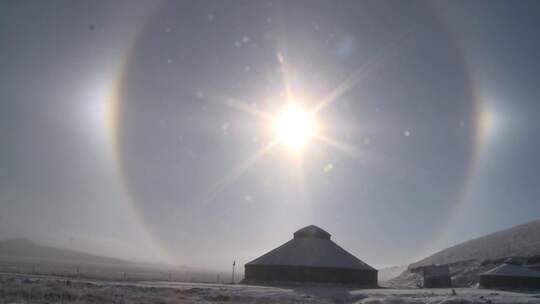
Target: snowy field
x=36 y=289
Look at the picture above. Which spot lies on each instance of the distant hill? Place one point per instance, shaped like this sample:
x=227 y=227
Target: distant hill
x=25 y=256
x=389 y=273
x=468 y=259
x=24 y=249
x=522 y=241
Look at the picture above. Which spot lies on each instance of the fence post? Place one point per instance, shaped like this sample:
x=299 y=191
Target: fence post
x=232 y=277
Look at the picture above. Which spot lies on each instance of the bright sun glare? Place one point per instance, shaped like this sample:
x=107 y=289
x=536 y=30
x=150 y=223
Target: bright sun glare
x=294 y=127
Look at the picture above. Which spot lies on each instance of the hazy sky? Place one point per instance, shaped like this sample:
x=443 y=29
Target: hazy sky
x=127 y=127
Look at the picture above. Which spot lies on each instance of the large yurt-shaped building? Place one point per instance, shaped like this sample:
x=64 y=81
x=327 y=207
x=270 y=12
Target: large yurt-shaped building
x=311 y=256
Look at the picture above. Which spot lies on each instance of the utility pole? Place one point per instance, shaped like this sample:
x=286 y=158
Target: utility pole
x=232 y=277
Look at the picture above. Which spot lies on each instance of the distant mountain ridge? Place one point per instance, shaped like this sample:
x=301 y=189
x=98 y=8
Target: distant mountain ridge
x=22 y=248
x=522 y=240
x=25 y=256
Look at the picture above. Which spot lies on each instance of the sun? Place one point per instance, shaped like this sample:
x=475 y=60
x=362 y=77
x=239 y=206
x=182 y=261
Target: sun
x=294 y=127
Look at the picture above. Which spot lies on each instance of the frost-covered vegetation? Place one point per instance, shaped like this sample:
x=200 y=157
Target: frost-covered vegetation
x=27 y=289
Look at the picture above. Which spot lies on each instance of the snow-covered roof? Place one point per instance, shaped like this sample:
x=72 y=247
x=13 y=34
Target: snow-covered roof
x=312 y=247
x=510 y=270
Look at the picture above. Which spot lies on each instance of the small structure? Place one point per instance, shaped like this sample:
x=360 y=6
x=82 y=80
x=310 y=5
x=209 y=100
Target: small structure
x=535 y=267
x=534 y=263
x=511 y=276
x=436 y=276
x=311 y=257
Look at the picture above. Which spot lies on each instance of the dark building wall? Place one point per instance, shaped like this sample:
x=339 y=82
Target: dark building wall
x=311 y=274
x=438 y=282
x=535 y=267
x=509 y=282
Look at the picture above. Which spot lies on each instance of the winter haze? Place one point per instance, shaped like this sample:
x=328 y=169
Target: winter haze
x=145 y=130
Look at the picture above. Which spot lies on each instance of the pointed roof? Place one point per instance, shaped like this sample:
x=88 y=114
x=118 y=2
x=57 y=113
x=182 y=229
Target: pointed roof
x=311 y=247
x=311 y=231
x=512 y=270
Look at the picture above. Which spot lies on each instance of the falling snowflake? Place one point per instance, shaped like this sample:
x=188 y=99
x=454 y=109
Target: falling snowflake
x=169 y=61
x=462 y=124
x=407 y=133
x=247 y=68
x=280 y=57
x=245 y=39
x=237 y=44
x=329 y=167
x=210 y=17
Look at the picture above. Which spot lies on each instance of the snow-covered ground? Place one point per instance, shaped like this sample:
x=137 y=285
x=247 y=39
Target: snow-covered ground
x=34 y=289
